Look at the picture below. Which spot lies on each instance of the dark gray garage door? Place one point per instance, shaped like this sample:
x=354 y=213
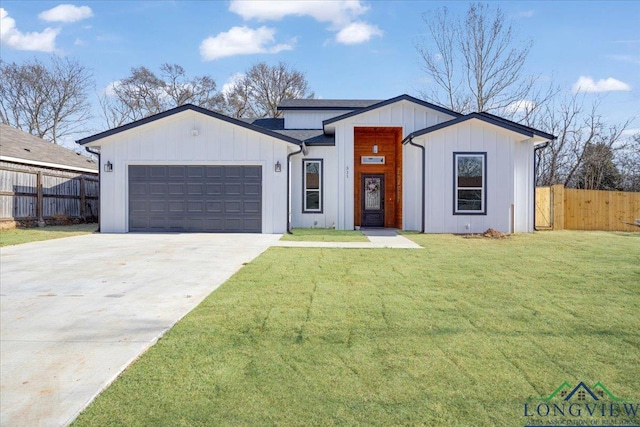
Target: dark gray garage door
x=195 y=198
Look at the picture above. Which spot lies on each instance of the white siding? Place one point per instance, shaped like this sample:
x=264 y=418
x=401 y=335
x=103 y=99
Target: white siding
x=170 y=141
x=311 y=119
x=326 y=219
x=410 y=117
x=509 y=172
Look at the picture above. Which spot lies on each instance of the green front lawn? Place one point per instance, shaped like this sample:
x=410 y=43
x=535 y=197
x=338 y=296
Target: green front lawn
x=17 y=236
x=461 y=333
x=324 y=235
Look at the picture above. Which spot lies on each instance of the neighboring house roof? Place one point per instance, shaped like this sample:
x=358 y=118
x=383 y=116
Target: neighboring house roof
x=392 y=101
x=308 y=136
x=22 y=147
x=487 y=118
x=326 y=104
x=180 y=109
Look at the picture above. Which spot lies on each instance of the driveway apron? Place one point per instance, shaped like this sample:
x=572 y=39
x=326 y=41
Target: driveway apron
x=75 y=312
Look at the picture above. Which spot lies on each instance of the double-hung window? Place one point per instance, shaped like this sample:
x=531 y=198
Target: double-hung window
x=312 y=185
x=470 y=183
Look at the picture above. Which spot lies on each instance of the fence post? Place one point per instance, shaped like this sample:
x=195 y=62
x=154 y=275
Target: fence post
x=557 y=192
x=83 y=207
x=39 y=199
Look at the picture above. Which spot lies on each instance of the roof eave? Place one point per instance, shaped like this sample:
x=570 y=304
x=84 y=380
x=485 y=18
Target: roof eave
x=326 y=123
x=90 y=141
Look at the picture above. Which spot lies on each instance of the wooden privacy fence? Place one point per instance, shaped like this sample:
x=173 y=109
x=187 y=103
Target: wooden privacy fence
x=36 y=194
x=561 y=208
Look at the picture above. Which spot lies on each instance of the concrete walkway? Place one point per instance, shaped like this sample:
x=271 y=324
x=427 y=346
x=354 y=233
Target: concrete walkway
x=75 y=312
x=378 y=238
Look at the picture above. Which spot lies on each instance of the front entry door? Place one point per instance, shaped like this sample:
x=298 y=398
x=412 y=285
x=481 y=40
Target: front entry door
x=372 y=200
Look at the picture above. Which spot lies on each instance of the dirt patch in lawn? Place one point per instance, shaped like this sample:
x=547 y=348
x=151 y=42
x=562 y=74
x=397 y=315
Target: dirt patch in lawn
x=489 y=234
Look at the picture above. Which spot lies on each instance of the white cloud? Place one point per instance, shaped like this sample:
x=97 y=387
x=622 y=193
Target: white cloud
x=66 y=13
x=525 y=14
x=230 y=83
x=521 y=107
x=110 y=90
x=10 y=36
x=588 y=85
x=241 y=41
x=339 y=13
x=626 y=58
x=357 y=32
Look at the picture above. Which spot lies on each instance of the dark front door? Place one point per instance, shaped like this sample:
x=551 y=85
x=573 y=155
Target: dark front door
x=372 y=200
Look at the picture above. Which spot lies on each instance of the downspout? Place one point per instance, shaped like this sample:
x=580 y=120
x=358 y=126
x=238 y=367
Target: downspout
x=409 y=139
x=535 y=177
x=97 y=153
x=303 y=149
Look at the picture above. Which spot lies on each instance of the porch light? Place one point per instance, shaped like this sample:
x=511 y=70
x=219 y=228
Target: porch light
x=278 y=166
x=375 y=148
x=108 y=167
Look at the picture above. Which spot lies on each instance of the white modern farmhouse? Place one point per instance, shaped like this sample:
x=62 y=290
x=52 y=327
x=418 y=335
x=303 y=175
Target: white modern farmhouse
x=399 y=163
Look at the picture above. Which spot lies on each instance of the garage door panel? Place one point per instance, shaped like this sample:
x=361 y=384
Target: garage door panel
x=232 y=172
x=157 y=206
x=252 y=207
x=232 y=189
x=252 y=189
x=157 y=188
x=214 y=189
x=255 y=173
x=214 y=172
x=233 y=206
x=174 y=171
x=195 y=171
x=214 y=207
x=175 y=189
x=195 y=198
x=251 y=224
x=138 y=188
x=160 y=172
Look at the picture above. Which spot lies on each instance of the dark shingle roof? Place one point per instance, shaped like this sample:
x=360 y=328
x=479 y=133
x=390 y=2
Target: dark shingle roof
x=487 y=118
x=309 y=136
x=239 y=122
x=326 y=104
x=21 y=145
x=389 y=101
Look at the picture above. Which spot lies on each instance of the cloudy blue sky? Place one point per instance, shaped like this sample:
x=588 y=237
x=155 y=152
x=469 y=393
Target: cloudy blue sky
x=348 y=49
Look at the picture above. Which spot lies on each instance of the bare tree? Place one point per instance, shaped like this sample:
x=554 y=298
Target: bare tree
x=143 y=94
x=582 y=137
x=628 y=160
x=259 y=92
x=49 y=100
x=475 y=63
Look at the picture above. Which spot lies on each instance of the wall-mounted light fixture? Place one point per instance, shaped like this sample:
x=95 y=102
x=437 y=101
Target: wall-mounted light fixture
x=108 y=167
x=194 y=132
x=375 y=148
x=278 y=166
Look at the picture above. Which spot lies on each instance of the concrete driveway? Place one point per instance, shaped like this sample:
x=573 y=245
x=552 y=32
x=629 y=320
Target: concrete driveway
x=75 y=312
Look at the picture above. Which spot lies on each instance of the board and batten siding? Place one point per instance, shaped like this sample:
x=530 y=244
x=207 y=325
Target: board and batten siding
x=406 y=115
x=509 y=178
x=170 y=141
x=326 y=218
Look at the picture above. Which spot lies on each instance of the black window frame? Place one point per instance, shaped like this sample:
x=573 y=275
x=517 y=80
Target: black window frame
x=483 y=198
x=321 y=185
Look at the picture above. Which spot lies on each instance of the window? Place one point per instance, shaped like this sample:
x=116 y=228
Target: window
x=470 y=193
x=312 y=186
